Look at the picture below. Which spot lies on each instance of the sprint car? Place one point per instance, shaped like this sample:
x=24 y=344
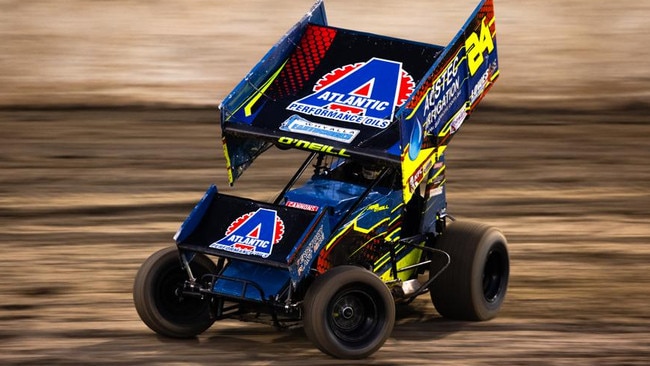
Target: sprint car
x=362 y=226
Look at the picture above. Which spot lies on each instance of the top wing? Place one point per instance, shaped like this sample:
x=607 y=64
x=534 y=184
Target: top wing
x=360 y=95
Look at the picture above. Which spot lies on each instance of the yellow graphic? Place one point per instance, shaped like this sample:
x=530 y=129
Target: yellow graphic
x=393 y=235
x=494 y=76
x=439 y=172
x=231 y=177
x=355 y=226
x=376 y=207
x=419 y=168
x=476 y=45
x=412 y=257
x=313 y=146
x=250 y=102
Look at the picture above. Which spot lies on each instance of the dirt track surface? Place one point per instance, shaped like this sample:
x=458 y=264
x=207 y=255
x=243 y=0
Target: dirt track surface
x=87 y=195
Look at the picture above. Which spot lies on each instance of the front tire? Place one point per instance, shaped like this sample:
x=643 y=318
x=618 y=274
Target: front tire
x=348 y=312
x=474 y=285
x=157 y=297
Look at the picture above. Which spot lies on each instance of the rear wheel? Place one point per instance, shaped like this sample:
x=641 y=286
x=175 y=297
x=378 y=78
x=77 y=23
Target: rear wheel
x=474 y=285
x=348 y=312
x=158 y=299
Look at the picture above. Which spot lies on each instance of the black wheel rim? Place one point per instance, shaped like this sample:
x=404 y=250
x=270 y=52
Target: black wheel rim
x=353 y=315
x=494 y=275
x=170 y=302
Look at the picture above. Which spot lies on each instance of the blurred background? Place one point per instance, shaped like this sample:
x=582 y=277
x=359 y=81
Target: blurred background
x=109 y=135
x=87 y=52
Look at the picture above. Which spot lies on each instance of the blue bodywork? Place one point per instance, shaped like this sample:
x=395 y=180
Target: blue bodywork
x=258 y=279
x=336 y=195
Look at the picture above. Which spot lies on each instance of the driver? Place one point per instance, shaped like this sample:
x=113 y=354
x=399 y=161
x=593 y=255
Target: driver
x=357 y=172
x=370 y=172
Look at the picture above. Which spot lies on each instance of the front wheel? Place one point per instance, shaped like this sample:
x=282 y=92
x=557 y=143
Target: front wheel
x=474 y=285
x=158 y=299
x=348 y=312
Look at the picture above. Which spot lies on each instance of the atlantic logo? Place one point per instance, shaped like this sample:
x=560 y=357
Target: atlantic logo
x=364 y=93
x=253 y=233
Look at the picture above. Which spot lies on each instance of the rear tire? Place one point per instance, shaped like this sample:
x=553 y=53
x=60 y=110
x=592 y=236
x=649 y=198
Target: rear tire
x=348 y=312
x=474 y=285
x=157 y=298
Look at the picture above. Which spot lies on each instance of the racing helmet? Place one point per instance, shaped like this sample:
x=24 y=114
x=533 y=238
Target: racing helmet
x=370 y=171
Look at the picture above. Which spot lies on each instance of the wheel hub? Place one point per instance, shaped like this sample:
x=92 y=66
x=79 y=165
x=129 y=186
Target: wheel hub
x=347 y=312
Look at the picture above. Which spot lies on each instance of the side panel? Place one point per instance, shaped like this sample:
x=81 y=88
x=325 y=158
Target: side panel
x=443 y=101
x=304 y=256
x=194 y=218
